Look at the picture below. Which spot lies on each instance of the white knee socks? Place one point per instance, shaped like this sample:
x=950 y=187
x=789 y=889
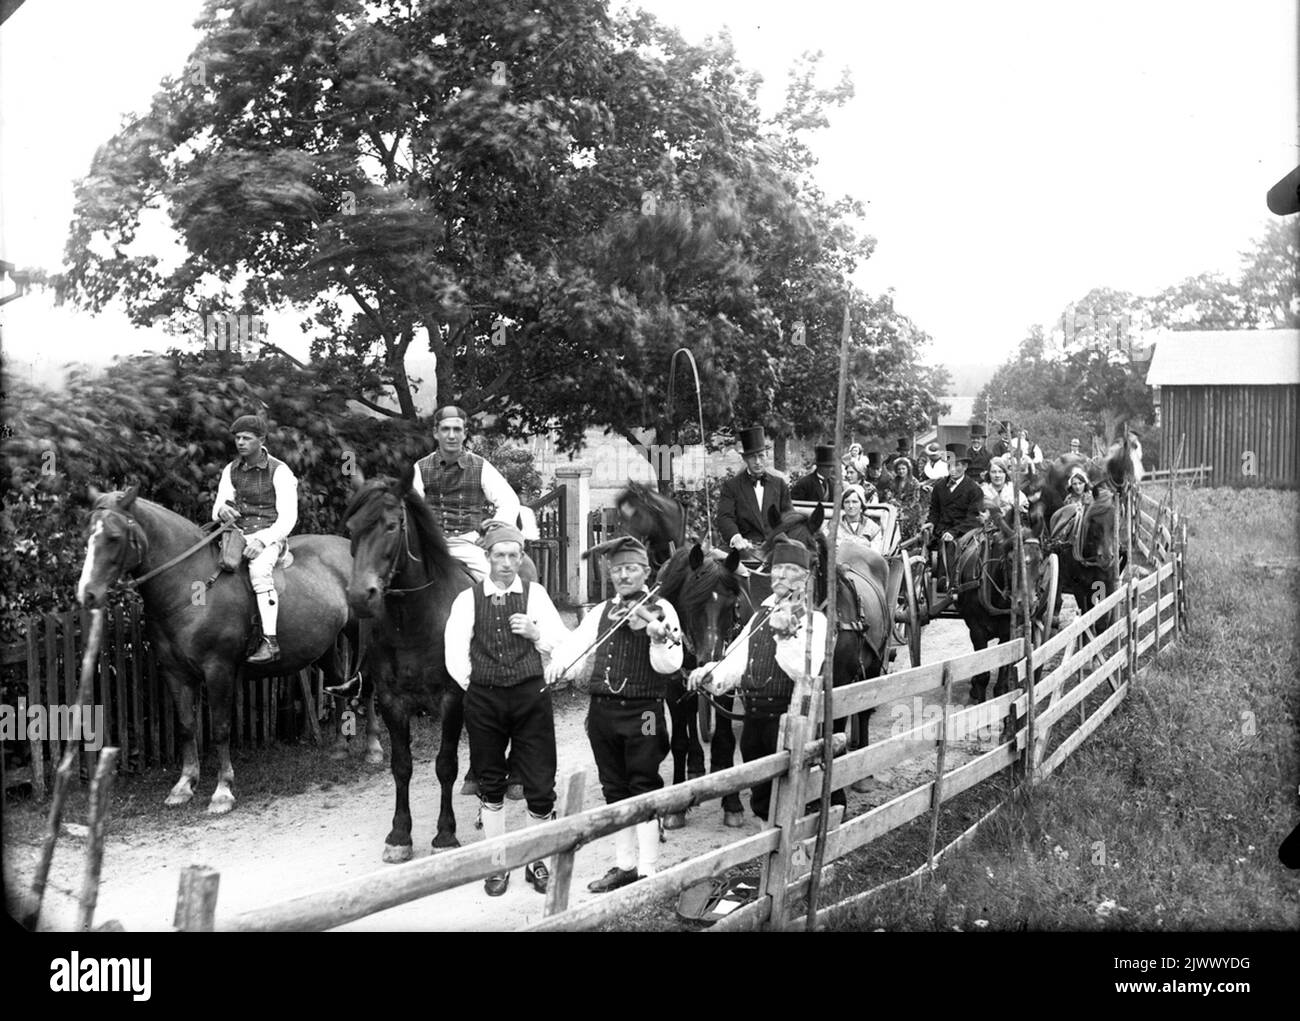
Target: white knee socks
x=647 y=838
x=269 y=610
x=494 y=820
x=625 y=848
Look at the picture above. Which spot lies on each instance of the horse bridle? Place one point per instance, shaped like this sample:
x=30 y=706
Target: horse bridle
x=136 y=542
x=405 y=543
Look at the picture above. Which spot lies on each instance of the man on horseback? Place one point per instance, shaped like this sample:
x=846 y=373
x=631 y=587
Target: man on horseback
x=629 y=681
x=458 y=486
x=955 y=506
x=259 y=492
x=768 y=660
x=495 y=635
x=746 y=497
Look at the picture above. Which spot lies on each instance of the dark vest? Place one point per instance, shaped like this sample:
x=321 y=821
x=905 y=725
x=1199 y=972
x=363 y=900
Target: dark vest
x=499 y=658
x=764 y=676
x=455 y=494
x=625 y=658
x=255 y=494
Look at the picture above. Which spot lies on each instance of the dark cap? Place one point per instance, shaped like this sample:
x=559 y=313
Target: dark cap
x=249 y=424
x=786 y=552
x=451 y=411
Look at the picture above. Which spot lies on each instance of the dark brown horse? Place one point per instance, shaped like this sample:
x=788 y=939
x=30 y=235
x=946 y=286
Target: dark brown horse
x=405 y=578
x=988 y=586
x=200 y=633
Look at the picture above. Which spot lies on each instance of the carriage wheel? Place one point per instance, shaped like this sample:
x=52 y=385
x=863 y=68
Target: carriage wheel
x=705 y=719
x=1048 y=583
x=922 y=588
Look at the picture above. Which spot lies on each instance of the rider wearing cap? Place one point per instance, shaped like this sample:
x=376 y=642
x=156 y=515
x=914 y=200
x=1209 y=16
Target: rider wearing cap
x=629 y=681
x=767 y=662
x=458 y=485
x=259 y=493
x=495 y=635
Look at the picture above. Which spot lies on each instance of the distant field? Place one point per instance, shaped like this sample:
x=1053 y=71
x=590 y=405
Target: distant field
x=1169 y=818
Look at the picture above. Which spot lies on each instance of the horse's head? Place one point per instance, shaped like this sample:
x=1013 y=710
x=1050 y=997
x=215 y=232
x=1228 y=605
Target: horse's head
x=393 y=531
x=1123 y=466
x=655 y=519
x=1099 y=545
x=116 y=546
x=712 y=602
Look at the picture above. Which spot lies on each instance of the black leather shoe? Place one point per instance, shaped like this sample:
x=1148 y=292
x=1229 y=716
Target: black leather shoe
x=538 y=875
x=497 y=885
x=613 y=879
x=267 y=652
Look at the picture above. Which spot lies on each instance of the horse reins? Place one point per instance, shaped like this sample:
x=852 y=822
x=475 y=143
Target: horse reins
x=138 y=543
x=405 y=542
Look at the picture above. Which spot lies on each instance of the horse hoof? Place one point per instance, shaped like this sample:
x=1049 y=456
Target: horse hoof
x=220 y=805
x=469 y=789
x=375 y=758
x=445 y=840
x=174 y=799
x=338 y=753
x=675 y=821
x=733 y=819
x=395 y=854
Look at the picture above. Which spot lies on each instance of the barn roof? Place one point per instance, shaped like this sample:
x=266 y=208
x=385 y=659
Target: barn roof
x=1226 y=358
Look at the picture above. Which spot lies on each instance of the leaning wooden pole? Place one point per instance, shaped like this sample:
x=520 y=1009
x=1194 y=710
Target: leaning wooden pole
x=63 y=777
x=832 y=633
x=1022 y=565
x=101 y=789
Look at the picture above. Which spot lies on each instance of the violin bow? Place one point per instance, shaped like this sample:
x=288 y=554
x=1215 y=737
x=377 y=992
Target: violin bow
x=749 y=629
x=602 y=639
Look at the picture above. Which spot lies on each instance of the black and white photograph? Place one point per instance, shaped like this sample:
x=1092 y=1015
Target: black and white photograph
x=479 y=466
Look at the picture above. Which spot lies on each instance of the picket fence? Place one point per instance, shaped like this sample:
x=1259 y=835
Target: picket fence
x=1071 y=698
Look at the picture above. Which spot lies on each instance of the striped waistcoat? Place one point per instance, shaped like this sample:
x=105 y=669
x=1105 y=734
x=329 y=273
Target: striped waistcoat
x=455 y=494
x=764 y=676
x=499 y=658
x=255 y=493
x=625 y=658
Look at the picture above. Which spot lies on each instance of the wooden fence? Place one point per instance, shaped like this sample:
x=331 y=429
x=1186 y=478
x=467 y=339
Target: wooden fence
x=1197 y=475
x=1083 y=673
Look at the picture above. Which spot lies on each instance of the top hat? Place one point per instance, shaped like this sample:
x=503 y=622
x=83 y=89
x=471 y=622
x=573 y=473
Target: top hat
x=978 y=429
x=873 y=458
x=753 y=440
x=824 y=456
x=904 y=445
x=1005 y=426
x=958 y=452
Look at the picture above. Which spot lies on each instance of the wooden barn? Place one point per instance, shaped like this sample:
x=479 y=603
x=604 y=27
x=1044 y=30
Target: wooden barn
x=1234 y=394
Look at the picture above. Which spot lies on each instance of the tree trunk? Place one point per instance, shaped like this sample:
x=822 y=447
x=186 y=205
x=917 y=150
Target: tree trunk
x=402 y=385
x=778 y=452
x=445 y=369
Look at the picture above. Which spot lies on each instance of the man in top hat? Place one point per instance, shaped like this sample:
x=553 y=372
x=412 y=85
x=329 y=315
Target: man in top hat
x=955 y=506
x=904 y=449
x=769 y=660
x=747 y=495
x=935 y=467
x=818 y=485
x=629 y=680
x=458 y=486
x=979 y=455
x=1002 y=445
x=881 y=480
x=260 y=493
x=495 y=635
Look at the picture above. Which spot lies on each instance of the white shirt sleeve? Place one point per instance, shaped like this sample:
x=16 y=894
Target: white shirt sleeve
x=225 y=493
x=790 y=652
x=665 y=657
x=547 y=618
x=417 y=483
x=500 y=495
x=286 y=507
x=568 y=651
x=457 y=635
x=727 y=674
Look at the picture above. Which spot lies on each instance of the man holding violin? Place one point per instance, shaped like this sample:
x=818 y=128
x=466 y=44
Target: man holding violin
x=633 y=644
x=495 y=635
x=768 y=658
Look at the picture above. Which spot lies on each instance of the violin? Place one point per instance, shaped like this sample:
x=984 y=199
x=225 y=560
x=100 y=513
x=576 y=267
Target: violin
x=786 y=616
x=643 y=613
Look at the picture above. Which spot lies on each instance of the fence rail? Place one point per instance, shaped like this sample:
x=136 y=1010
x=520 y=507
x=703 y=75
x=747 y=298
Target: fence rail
x=1197 y=474
x=1101 y=655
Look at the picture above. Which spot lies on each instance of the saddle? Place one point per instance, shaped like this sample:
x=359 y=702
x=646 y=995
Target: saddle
x=231 y=556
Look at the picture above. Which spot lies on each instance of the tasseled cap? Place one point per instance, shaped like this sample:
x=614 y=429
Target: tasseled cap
x=623 y=550
x=501 y=532
x=791 y=553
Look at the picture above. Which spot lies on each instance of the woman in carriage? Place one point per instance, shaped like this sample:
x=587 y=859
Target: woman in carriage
x=905 y=494
x=855 y=524
x=999 y=493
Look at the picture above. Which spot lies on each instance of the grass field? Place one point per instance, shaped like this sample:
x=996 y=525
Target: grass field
x=1170 y=816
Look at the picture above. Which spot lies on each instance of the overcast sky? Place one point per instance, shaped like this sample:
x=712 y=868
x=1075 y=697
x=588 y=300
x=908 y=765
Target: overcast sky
x=1011 y=155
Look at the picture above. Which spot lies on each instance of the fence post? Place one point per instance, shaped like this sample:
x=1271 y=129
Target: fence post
x=786 y=806
x=196 y=900
x=936 y=792
x=557 y=891
x=576 y=480
x=101 y=787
